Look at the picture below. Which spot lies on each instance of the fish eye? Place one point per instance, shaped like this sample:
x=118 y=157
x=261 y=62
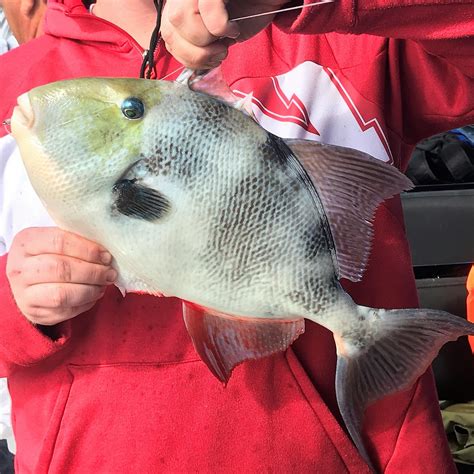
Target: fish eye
x=133 y=108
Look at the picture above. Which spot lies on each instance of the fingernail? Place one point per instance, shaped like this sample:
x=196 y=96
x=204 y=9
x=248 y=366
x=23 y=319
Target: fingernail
x=105 y=258
x=233 y=30
x=219 y=58
x=111 y=276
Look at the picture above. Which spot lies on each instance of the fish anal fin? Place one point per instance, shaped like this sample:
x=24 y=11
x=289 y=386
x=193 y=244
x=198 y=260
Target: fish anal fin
x=223 y=341
x=351 y=185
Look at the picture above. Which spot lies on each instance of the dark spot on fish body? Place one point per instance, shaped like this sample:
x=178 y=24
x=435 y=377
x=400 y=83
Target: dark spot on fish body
x=276 y=151
x=161 y=157
x=175 y=157
x=312 y=241
x=251 y=229
x=279 y=152
x=189 y=149
x=311 y=302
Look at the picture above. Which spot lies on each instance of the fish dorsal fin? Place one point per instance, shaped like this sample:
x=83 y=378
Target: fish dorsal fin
x=351 y=185
x=223 y=342
x=213 y=84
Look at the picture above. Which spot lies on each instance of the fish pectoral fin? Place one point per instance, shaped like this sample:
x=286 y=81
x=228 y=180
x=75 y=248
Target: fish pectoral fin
x=386 y=356
x=224 y=341
x=142 y=202
x=351 y=185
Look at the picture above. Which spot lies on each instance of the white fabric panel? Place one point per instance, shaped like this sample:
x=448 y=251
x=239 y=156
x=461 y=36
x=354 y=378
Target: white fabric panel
x=20 y=208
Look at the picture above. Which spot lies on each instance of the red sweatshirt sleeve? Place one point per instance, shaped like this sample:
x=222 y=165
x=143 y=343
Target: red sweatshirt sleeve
x=21 y=343
x=430 y=72
x=402 y=19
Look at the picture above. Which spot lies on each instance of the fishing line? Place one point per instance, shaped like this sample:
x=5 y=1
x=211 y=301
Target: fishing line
x=171 y=73
x=274 y=12
x=148 y=64
x=248 y=17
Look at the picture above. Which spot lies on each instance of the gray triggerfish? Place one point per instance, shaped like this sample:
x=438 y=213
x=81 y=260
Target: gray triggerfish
x=252 y=232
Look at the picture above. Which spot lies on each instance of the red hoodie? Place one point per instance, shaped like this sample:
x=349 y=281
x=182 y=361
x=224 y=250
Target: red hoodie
x=120 y=388
x=470 y=302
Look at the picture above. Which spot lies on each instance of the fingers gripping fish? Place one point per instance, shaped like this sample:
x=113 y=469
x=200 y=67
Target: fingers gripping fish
x=195 y=200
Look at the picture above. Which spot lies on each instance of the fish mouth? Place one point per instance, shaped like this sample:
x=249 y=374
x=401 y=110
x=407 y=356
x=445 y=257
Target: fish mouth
x=23 y=114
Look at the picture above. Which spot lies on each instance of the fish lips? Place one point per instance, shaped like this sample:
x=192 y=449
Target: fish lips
x=23 y=115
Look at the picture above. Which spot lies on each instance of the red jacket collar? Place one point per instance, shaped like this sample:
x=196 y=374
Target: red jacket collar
x=71 y=19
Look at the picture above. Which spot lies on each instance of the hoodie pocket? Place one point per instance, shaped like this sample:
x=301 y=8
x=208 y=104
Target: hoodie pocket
x=149 y=418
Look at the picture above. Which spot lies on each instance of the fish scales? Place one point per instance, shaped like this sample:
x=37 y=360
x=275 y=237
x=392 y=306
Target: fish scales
x=195 y=200
x=236 y=197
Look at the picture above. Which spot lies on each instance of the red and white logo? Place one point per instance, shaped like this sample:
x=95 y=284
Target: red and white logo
x=311 y=102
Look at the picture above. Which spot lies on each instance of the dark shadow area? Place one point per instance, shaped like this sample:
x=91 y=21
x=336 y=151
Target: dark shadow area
x=6 y=459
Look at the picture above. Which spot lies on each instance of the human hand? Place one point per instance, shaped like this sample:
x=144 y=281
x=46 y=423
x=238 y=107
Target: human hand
x=56 y=275
x=198 y=33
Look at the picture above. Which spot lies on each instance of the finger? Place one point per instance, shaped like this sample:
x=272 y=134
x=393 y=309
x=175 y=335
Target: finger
x=62 y=296
x=52 y=240
x=58 y=269
x=187 y=25
x=50 y=317
x=195 y=57
x=215 y=18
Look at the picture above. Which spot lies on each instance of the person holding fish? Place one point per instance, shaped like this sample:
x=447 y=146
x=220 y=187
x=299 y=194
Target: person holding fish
x=162 y=190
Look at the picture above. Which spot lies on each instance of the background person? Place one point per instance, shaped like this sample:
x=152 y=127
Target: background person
x=7 y=40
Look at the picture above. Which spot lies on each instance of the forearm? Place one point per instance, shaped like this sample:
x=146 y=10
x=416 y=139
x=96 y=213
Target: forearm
x=403 y=19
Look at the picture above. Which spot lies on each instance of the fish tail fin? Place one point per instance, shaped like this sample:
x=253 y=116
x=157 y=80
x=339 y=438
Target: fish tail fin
x=384 y=353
